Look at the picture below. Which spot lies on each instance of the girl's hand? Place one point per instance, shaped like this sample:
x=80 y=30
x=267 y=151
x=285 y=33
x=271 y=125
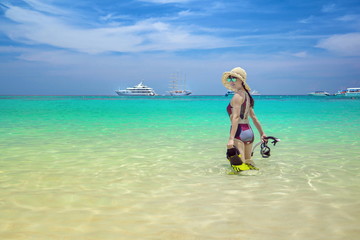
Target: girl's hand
x=263 y=138
x=230 y=143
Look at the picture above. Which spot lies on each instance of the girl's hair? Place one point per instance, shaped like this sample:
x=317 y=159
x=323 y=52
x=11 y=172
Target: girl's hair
x=251 y=98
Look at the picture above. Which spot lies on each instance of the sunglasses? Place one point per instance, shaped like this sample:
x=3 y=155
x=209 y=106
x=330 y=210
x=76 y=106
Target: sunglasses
x=231 y=79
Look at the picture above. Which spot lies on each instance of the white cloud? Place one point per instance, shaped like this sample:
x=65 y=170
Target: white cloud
x=185 y=13
x=41 y=6
x=328 y=8
x=33 y=27
x=12 y=49
x=165 y=1
x=342 y=44
x=203 y=72
x=349 y=18
x=300 y=54
x=307 y=20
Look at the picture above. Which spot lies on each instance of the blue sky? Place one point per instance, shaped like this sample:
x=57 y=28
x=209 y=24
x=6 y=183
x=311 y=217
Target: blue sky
x=88 y=47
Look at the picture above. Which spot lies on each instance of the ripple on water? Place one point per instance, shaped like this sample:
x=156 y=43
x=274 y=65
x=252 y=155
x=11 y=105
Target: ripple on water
x=92 y=174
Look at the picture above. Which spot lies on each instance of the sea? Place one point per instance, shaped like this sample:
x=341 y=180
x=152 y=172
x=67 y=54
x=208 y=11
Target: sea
x=111 y=167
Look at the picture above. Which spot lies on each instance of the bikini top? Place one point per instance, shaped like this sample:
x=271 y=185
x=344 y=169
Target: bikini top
x=244 y=111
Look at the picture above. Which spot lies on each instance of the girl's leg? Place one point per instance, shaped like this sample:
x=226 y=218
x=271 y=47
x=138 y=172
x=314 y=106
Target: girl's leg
x=245 y=156
x=241 y=146
x=248 y=150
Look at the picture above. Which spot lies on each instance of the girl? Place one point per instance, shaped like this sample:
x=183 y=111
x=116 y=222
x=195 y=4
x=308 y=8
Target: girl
x=240 y=108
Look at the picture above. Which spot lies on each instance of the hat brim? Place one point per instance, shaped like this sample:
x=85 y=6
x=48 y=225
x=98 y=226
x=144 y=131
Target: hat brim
x=227 y=84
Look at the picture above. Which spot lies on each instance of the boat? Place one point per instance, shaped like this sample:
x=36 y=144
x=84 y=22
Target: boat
x=319 y=93
x=229 y=92
x=253 y=93
x=137 y=90
x=349 y=92
x=341 y=93
x=180 y=93
x=352 y=92
x=175 y=86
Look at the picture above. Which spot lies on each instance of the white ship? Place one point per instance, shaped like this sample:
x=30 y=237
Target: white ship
x=341 y=93
x=138 y=90
x=353 y=92
x=255 y=93
x=349 y=92
x=175 y=86
x=319 y=93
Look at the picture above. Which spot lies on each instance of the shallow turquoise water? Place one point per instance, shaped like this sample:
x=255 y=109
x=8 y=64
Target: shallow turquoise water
x=109 y=167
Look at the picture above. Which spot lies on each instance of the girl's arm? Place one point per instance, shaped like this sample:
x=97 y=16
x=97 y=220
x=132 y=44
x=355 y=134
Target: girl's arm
x=257 y=125
x=236 y=102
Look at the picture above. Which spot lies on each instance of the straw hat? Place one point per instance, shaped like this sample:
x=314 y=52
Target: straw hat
x=237 y=72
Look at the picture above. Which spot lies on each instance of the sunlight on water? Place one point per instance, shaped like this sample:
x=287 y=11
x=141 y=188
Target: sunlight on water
x=122 y=168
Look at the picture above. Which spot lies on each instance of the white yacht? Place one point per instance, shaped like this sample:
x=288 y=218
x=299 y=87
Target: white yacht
x=180 y=92
x=138 y=90
x=175 y=86
x=341 y=93
x=349 y=92
x=254 y=92
x=319 y=93
x=353 y=92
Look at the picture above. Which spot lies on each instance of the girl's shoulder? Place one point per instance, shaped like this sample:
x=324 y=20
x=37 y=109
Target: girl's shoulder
x=237 y=100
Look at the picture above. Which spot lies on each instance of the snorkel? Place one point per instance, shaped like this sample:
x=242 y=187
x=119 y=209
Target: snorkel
x=264 y=149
